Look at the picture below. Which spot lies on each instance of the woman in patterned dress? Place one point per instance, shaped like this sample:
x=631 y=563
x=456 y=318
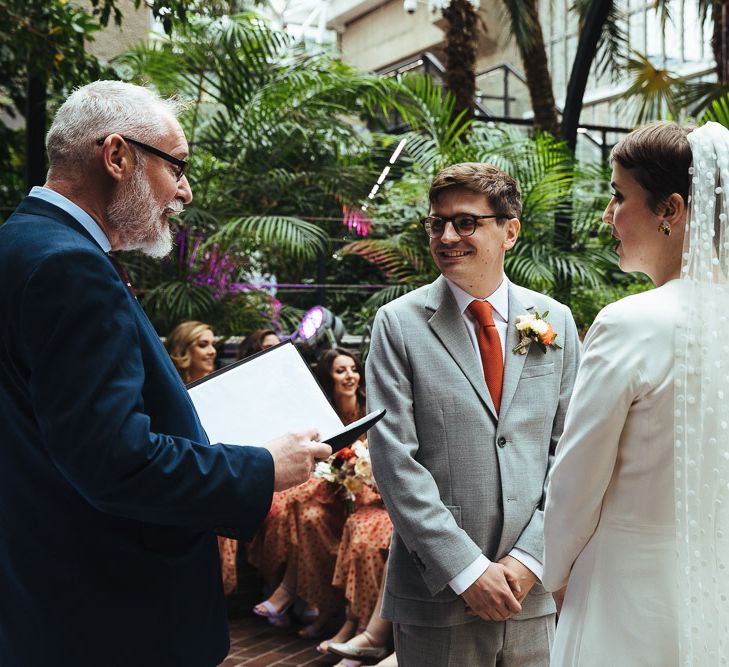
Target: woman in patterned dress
x=359 y=570
x=305 y=531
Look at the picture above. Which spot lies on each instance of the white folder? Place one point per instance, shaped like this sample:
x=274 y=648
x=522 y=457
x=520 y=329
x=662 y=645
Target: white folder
x=269 y=394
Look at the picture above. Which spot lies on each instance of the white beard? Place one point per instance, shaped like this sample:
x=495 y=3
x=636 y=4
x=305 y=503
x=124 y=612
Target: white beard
x=136 y=229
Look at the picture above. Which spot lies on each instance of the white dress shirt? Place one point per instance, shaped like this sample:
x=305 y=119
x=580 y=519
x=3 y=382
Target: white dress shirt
x=499 y=300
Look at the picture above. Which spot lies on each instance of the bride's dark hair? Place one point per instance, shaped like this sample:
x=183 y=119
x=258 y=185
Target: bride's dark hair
x=659 y=156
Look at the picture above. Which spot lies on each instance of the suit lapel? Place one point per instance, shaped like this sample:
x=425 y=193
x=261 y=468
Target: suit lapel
x=448 y=325
x=513 y=363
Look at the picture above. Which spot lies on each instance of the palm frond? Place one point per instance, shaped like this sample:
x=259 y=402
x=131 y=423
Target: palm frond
x=652 y=92
x=520 y=21
x=399 y=257
x=175 y=301
x=611 y=55
x=390 y=293
x=295 y=237
x=715 y=103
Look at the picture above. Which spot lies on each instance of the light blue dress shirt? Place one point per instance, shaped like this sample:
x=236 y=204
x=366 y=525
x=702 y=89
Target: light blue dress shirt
x=75 y=211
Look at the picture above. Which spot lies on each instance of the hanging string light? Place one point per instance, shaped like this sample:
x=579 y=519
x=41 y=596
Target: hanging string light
x=385 y=172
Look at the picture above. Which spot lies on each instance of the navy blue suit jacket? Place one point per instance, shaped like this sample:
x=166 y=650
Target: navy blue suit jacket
x=109 y=489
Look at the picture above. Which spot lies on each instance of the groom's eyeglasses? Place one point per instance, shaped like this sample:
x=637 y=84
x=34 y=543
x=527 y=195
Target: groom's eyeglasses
x=464 y=223
x=180 y=165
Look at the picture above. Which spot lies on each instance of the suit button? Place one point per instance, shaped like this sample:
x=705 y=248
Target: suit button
x=501 y=442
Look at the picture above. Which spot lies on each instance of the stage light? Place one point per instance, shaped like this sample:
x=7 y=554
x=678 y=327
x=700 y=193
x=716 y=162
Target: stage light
x=318 y=325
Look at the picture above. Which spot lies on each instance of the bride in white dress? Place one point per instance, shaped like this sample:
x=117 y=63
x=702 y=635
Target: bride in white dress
x=635 y=521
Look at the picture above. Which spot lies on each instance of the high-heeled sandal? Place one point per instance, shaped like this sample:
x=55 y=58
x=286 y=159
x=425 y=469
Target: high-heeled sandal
x=279 y=618
x=323 y=647
x=316 y=629
x=364 y=654
x=308 y=615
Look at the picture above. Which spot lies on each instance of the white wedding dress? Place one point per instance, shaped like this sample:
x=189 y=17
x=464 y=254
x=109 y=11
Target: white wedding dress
x=610 y=522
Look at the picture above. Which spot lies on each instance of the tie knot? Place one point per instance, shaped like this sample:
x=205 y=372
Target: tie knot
x=481 y=310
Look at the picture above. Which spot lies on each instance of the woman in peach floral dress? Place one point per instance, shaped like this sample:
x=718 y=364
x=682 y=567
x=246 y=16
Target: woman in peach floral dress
x=359 y=572
x=303 y=532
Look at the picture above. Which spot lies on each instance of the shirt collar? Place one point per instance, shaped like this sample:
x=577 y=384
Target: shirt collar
x=78 y=214
x=499 y=298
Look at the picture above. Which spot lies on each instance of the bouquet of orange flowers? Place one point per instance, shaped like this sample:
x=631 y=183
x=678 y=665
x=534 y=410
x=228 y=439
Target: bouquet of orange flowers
x=350 y=467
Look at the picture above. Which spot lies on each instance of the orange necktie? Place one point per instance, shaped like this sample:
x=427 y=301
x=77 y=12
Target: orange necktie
x=489 y=345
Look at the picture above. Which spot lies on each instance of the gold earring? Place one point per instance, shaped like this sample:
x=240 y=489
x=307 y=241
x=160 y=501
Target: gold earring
x=665 y=228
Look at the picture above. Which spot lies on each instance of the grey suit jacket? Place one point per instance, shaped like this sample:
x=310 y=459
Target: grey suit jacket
x=456 y=480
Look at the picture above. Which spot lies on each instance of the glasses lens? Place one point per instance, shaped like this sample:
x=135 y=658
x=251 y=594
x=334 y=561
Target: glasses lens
x=180 y=171
x=465 y=225
x=434 y=226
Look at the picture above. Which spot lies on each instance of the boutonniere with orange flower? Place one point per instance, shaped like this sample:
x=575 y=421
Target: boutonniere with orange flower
x=534 y=328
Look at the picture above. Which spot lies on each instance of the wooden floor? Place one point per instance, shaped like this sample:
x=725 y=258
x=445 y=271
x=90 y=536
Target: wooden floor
x=255 y=643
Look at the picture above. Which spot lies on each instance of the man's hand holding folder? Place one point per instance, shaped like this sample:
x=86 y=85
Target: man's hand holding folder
x=254 y=400
x=294 y=456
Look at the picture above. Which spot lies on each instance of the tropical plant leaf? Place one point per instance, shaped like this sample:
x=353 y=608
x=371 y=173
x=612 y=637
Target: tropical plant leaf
x=176 y=301
x=389 y=293
x=298 y=238
x=718 y=111
x=653 y=92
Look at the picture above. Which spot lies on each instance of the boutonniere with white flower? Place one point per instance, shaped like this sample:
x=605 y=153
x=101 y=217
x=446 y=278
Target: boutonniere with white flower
x=534 y=328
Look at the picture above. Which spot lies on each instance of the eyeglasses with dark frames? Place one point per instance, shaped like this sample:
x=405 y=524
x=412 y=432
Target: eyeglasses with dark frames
x=180 y=164
x=463 y=223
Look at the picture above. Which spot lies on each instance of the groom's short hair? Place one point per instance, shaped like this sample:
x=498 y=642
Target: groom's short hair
x=496 y=185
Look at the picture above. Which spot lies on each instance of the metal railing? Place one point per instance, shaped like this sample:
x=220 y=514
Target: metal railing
x=510 y=79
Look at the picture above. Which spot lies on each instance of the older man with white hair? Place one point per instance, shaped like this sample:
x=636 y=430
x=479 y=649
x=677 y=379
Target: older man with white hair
x=110 y=492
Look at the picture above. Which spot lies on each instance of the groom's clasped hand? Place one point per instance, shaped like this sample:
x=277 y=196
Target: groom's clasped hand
x=497 y=594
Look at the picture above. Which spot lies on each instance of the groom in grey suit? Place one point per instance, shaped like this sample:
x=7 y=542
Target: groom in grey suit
x=461 y=458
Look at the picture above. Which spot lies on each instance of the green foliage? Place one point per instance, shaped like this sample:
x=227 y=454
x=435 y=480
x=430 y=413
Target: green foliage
x=296 y=238
x=45 y=40
x=653 y=92
x=167 y=11
x=279 y=149
x=611 y=51
x=44 y=37
x=718 y=111
x=588 y=301
x=175 y=301
x=550 y=182
x=276 y=153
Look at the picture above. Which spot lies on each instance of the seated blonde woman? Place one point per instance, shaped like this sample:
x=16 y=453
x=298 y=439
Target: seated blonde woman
x=190 y=346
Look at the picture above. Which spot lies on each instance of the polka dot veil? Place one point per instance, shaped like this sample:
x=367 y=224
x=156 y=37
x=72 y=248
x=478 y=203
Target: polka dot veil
x=702 y=408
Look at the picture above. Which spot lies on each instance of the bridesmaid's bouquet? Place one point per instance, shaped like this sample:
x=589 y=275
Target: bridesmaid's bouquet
x=350 y=467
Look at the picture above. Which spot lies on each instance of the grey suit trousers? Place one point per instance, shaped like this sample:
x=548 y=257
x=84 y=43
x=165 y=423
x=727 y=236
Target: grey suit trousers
x=509 y=643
